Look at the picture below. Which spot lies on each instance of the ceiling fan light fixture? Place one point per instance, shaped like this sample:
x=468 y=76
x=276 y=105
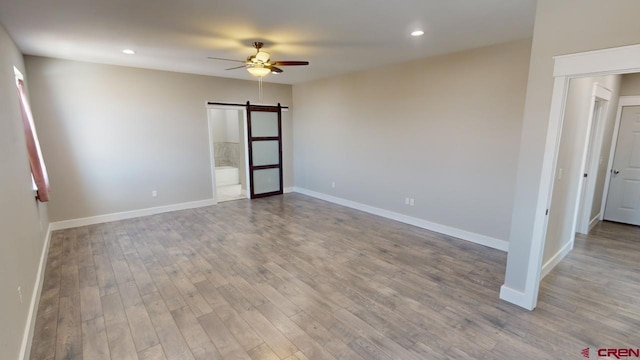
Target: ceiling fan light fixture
x=258 y=71
x=262 y=57
x=260 y=64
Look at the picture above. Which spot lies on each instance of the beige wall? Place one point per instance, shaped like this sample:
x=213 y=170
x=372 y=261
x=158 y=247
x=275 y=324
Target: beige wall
x=23 y=220
x=113 y=134
x=444 y=131
x=630 y=85
x=570 y=155
x=561 y=27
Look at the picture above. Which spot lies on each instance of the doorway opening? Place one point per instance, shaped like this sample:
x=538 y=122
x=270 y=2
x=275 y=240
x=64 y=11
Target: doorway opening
x=228 y=145
x=523 y=290
x=245 y=144
x=578 y=181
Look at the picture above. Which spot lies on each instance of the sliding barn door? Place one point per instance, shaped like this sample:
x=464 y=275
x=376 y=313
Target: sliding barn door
x=265 y=150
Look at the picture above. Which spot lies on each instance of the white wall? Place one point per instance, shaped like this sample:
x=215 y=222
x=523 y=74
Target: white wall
x=561 y=27
x=233 y=126
x=219 y=121
x=444 y=131
x=225 y=125
x=113 y=134
x=23 y=220
x=574 y=134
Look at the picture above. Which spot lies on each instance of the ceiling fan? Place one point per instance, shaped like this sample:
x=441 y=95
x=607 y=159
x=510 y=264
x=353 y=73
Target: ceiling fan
x=261 y=64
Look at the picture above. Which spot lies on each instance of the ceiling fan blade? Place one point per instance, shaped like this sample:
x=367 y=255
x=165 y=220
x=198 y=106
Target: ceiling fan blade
x=237 y=67
x=290 y=63
x=216 y=58
x=276 y=70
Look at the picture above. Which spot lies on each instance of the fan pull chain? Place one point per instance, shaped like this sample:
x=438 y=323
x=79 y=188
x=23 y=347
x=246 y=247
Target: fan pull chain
x=260 y=90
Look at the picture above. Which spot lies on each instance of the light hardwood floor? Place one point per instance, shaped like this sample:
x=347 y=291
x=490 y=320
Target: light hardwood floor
x=291 y=277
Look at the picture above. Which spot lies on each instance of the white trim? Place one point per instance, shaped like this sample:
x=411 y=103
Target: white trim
x=596 y=219
x=555 y=259
x=628 y=101
x=439 y=228
x=545 y=190
x=212 y=158
x=247 y=168
x=619 y=60
x=622 y=102
x=288 y=190
x=601 y=92
x=27 y=338
x=516 y=297
x=68 y=224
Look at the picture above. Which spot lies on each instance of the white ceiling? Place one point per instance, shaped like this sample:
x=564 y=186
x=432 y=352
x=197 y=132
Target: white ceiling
x=336 y=36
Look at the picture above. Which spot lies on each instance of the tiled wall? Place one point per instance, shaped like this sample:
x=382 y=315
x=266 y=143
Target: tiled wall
x=227 y=154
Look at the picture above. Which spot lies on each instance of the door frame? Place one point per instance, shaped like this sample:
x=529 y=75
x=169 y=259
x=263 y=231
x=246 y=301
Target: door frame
x=212 y=157
x=591 y=159
x=620 y=60
x=623 y=101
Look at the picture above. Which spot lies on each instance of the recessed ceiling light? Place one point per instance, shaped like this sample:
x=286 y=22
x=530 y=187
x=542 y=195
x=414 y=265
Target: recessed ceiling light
x=417 y=33
x=128 y=51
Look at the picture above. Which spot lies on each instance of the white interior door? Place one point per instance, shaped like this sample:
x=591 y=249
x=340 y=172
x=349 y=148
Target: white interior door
x=591 y=165
x=623 y=201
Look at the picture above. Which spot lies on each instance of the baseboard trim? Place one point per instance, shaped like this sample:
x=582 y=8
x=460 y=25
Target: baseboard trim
x=288 y=190
x=439 y=228
x=594 y=221
x=516 y=297
x=27 y=338
x=68 y=224
x=555 y=259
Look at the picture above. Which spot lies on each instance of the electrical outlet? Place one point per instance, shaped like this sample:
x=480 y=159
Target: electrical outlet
x=154 y=193
x=406 y=201
x=333 y=184
x=411 y=202
x=20 y=293
x=560 y=174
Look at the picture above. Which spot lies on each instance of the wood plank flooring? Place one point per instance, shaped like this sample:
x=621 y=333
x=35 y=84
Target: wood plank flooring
x=291 y=277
